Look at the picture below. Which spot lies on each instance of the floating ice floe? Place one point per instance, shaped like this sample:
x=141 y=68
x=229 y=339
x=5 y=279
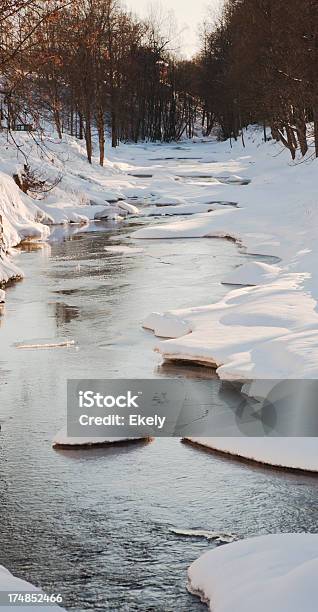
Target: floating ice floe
x=218 y=536
x=62 y=440
x=276 y=573
x=46 y=345
x=166 y=325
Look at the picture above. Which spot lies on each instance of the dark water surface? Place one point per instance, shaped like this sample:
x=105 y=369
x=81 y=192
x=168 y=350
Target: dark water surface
x=96 y=526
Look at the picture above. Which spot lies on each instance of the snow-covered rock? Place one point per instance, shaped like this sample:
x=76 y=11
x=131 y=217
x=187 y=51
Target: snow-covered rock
x=272 y=573
x=12 y=584
x=301 y=454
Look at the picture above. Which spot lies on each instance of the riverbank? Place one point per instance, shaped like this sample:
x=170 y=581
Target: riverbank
x=268 y=328
x=273 y=572
x=72 y=191
x=152 y=176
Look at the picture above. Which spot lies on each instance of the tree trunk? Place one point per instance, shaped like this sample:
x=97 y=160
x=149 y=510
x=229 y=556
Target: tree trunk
x=300 y=122
x=88 y=137
x=57 y=120
x=80 y=127
x=114 y=127
x=315 y=115
x=101 y=136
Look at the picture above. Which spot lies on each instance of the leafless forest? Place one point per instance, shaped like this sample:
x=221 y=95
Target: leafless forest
x=91 y=66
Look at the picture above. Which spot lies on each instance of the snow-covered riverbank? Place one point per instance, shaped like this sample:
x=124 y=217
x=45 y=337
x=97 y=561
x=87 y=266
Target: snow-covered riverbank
x=274 y=572
x=267 y=329
x=81 y=193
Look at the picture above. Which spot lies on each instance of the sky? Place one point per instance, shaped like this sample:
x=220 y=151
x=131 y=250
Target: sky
x=189 y=14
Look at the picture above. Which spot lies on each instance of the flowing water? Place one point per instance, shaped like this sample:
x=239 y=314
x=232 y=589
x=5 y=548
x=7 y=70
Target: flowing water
x=98 y=526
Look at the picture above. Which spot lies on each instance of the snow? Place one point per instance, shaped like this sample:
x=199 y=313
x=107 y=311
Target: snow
x=272 y=572
x=252 y=273
x=300 y=454
x=2 y=296
x=82 y=193
x=111 y=212
x=11 y=583
x=129 y=208
x=63 y=440
x=18 y=222
x=266 y=329
x=8 y=270
x=166 y=325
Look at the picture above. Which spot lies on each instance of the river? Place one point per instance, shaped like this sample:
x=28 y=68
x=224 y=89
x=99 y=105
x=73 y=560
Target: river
x=97 y=526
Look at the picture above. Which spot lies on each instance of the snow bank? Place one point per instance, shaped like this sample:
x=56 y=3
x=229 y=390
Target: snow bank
x=252 y=273
x=62 y=440
x=276 y=573
x=18 y=222
x=297 y=454
x=82 y=194
x=8 y=270
x=11 y=583
x=268 y=328
x=236 y=334
x=19 y=216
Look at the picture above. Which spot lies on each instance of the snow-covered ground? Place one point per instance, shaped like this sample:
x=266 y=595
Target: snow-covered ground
x=81 y=193
x=12 y=584
x=295 y=453
x=276 y=573
x=267 y=328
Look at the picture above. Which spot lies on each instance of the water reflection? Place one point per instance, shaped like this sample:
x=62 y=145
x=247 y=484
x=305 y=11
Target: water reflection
x=64 y=313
